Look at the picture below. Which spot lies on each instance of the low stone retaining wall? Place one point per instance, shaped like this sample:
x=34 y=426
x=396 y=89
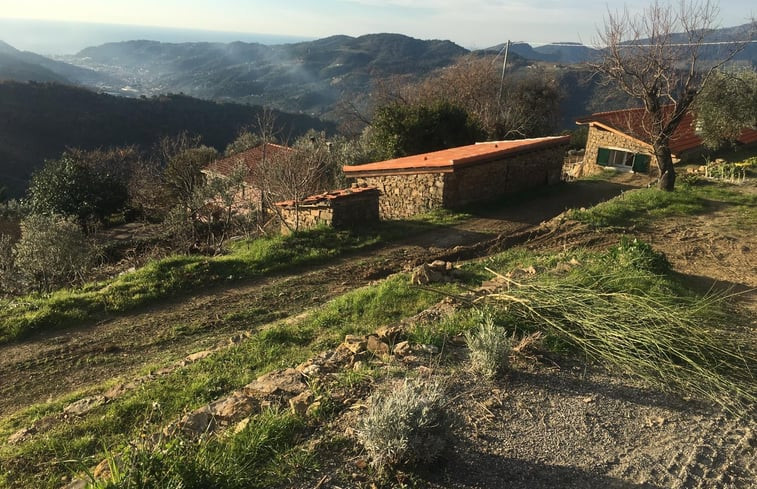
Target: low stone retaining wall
x=353 y=207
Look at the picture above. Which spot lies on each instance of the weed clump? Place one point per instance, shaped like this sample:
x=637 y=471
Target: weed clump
x=406 y=426
x=489 y=348
x=637 y=255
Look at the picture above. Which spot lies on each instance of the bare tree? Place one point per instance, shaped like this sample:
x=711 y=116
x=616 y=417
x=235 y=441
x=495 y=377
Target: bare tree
x=662 y=70
x=295 y=174
x=529 y=105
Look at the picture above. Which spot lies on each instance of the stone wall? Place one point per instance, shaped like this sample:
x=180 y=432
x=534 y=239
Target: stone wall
x=407 y=195
x=600 y=138
x=344 y=210
x=404 y=196
x=491 y=180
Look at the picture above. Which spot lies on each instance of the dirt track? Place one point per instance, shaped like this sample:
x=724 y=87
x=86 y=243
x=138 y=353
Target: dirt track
x=545 y=425
x=49 y=366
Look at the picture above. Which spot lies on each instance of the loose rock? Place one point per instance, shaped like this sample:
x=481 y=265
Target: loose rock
x=353 y=343
x=402 y=348
x=301 y=403
x=83 y=406
x=21 y=435
x=287 y=381
x=376 y=346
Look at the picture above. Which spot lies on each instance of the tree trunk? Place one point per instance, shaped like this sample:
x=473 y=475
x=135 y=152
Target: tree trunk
x=665 y=164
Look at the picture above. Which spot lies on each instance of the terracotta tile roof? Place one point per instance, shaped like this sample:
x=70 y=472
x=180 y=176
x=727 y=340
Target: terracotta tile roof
x=331 y=196
x=249 y=158
x=631 y=122
x=447 y=160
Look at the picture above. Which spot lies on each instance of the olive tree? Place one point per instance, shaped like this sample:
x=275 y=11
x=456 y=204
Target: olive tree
x=52 y=252
x=727 y=105
x=72 y=186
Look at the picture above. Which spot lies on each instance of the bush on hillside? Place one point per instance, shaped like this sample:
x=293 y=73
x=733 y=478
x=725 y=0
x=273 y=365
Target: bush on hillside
x=52 y=252
x=405 y=426
x=489 y=348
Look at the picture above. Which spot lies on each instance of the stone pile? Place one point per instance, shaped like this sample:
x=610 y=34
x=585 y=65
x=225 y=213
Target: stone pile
x=438 y=271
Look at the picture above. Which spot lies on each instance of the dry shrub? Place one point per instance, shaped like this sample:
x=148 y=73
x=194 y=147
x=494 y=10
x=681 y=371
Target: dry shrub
x=489 y=348
x=406 y=426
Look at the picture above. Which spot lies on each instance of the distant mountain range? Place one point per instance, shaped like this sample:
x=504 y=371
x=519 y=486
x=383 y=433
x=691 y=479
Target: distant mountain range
x=310 y=77
x=27 y=66
x=574 y=53
x=301 y=77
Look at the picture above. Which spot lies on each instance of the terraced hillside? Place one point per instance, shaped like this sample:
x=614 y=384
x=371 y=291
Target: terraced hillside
x=200 y=389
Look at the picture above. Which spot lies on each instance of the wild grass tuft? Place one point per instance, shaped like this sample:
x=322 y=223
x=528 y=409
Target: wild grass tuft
x=673 y=341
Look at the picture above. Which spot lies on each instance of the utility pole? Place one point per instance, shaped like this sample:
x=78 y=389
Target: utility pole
x=502 y=80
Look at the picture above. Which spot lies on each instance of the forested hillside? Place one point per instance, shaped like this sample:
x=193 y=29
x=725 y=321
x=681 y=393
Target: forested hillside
x=39 y=120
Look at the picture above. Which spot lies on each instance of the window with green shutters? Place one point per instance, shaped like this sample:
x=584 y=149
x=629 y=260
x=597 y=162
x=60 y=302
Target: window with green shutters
x=603 y=156
x=641 y=163
x=637 y=162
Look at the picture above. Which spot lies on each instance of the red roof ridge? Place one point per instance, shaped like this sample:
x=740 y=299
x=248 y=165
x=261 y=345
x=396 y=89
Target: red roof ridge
x=249 y=158
x=611 y=112
x=447 y=160
x=329 y=195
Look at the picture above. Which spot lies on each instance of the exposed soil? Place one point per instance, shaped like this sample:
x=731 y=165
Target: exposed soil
x=548 y=423
x=547 y=426
x=50 y=365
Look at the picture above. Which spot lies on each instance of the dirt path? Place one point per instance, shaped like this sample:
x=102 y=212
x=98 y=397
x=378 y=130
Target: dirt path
x=53 y=365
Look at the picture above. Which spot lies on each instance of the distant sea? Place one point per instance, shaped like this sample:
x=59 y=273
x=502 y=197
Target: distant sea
x=57 y=38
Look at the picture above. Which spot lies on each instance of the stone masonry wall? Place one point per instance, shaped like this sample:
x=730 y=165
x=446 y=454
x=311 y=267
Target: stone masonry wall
x=353 y=211
x=599 y=138
x=488 y=181
x=407 y=195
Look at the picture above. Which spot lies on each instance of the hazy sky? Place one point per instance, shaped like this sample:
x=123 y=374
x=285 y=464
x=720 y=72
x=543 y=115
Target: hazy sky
x=471 y=23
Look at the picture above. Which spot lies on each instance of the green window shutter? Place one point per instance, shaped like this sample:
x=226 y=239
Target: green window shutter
x=640 y=163
x=603 y=156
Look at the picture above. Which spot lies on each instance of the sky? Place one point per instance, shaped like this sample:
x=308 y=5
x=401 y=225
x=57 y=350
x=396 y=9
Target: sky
x=470 y=23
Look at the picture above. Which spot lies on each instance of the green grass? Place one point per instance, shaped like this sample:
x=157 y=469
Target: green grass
x=175 y=275
x=642 y=206
x=38 y=463
x=262 y=454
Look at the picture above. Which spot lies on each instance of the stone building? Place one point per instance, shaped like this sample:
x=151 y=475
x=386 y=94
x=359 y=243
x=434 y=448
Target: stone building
x=352 y=207
x=249 y=195
x=618 y=140
x=456 y=177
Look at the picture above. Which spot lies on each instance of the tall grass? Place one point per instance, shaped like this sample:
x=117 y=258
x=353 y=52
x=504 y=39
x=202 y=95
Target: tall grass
x=625 y=310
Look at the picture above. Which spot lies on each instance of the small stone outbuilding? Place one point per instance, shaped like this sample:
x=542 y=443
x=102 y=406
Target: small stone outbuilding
x=618 y=140
x=456 y=177
x=347 y=208
x=249 y=195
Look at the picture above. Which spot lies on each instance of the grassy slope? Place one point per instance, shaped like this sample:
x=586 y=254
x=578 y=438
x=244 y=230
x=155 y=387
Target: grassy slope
x=270 y=452
x=179 y=274
x=148 y=408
